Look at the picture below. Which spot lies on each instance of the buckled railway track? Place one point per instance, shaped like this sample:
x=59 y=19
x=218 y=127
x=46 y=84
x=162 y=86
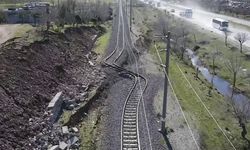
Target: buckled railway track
x=130 y=139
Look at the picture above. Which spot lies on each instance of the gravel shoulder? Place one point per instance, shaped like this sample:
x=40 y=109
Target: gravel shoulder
x=175 y=122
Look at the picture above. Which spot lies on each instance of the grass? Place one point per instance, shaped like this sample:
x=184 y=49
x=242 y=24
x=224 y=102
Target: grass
x=22 y=29
x=210 y=136
x=65 y=116
x=28 y=32
x=9 y=5
x=214 y=42
x=88 y=131
x=102 y=42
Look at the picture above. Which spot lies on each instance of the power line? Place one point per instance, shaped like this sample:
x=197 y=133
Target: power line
x=170 y=83
x=216 y=122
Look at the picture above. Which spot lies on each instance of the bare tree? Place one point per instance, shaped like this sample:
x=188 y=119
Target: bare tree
x=234 y=64
x=176 y=36
x=241 y=112
x=241 y=38
x=102 y=11
x=226 y=34
x=184 y=38
x=213 y=56
x=162 y=25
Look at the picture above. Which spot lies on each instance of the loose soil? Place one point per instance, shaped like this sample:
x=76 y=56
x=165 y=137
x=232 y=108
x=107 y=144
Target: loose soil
x=31 y=75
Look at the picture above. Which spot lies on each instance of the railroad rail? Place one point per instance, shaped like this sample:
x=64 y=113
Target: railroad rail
x=130 y=139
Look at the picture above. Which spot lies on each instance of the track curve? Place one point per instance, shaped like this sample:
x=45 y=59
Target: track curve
x=130 y=139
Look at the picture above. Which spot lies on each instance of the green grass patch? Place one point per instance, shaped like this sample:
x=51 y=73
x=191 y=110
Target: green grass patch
x=210 y=135
x=29 y=32
x=88 y=131
x=22 y=30
x=65 y=116
x=9 y=5
x=212 y=42
x=102 y=42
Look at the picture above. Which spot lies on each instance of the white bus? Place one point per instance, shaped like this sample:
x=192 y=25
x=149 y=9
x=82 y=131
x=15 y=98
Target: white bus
x=220 y=24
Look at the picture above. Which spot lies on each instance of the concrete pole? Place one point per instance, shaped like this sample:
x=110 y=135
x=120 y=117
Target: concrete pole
x=126 y=6
x=130 y=22
x=164 y=107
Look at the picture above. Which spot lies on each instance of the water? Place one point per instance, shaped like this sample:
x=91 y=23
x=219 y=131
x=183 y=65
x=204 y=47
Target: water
x=223 y=86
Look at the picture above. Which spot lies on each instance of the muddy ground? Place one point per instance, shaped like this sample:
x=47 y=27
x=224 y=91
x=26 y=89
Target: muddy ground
x=30 y=75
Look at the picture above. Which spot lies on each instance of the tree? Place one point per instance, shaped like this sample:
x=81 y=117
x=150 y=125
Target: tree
x=226 y=34
x=78 y=20
x=241 y=38
x=163 y=25
x=2 y=17
x=62 y=15
x=241 y=112
x=184 y=37
x=233 y=65
x=36 y=16
x=214 y=55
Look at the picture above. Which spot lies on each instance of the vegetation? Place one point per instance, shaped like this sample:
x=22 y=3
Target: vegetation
x=197 y=116
x=208 y=42
x=88 y=131
x=211 y=137
x=102 y=42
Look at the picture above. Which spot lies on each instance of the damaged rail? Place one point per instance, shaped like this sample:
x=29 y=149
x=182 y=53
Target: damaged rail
x=130 y=138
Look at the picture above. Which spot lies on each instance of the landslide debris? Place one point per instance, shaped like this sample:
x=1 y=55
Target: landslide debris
x=30 y=75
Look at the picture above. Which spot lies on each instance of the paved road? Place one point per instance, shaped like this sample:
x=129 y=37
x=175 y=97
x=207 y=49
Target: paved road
x=204 y=19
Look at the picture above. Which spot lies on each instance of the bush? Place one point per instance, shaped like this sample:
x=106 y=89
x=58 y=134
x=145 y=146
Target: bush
x=2 y=17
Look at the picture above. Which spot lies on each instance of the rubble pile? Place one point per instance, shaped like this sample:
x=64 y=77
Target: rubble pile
x=57 y=138
x=31 y=74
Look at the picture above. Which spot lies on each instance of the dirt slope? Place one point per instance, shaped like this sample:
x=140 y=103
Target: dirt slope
x=31 y=75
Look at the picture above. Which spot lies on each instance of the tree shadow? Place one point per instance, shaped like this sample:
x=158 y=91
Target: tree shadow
x=167 y=141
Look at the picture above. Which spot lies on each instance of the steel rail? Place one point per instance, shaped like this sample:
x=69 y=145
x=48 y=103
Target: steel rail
x=132 y=101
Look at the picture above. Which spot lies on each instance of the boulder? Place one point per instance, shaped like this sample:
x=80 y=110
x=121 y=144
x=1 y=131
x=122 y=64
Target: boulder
x=55 y=147
x=62 y=145
x=65 y=130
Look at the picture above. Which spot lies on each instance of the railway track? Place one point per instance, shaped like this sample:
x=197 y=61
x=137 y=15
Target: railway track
x=130 y=139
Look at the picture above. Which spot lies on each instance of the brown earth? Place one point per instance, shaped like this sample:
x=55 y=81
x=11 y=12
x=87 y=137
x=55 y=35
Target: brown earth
x=31 y=75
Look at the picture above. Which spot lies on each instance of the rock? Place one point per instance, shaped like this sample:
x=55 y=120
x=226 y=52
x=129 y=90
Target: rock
x=83 y=94
x=69 y=102
x=91 y=63
x=55 y=147
x=65 y=130
x=71 y=107
x=73 y=140
x=75 y=130
x=30 y=120
x=62 y=145
x=71 y=95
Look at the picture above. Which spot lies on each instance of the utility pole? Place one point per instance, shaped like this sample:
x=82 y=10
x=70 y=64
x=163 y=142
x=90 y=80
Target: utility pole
x=164 y=107
x=130 y=17
x=126 y=6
